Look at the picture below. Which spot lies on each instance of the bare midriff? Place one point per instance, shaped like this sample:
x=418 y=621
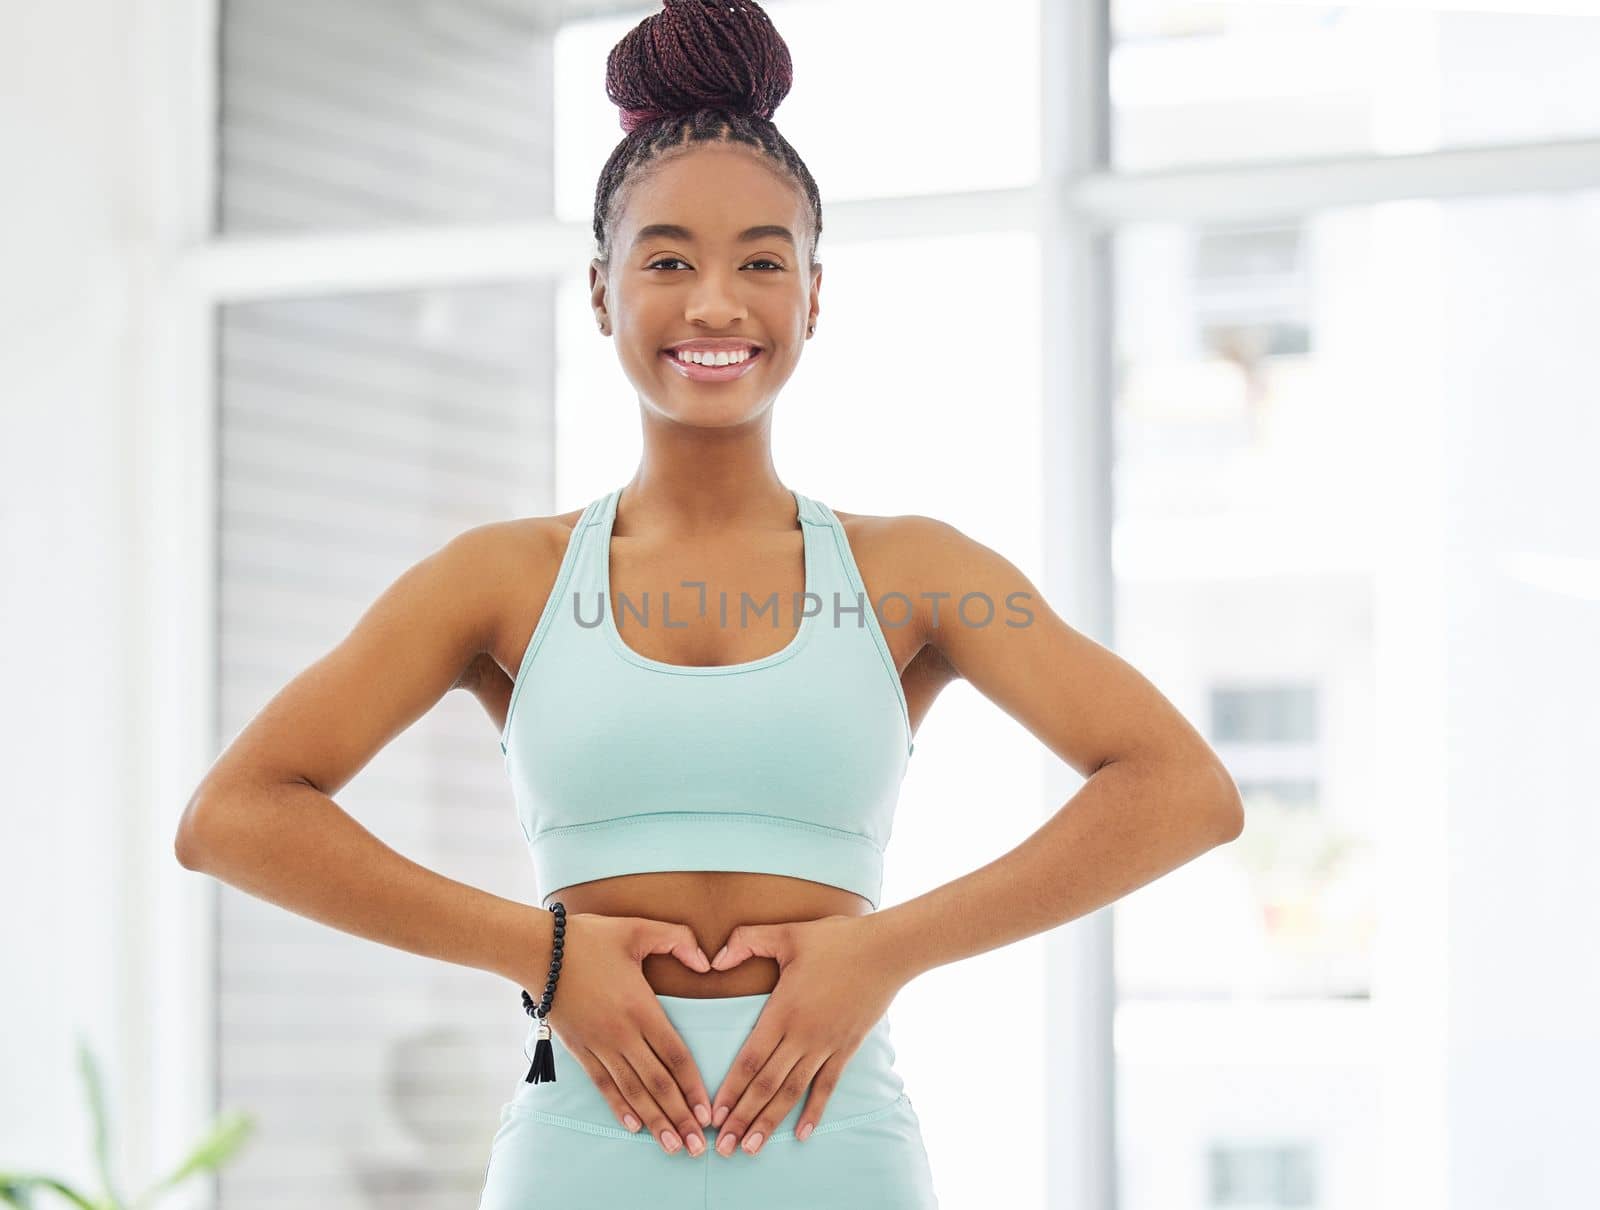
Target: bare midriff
x=712 y=903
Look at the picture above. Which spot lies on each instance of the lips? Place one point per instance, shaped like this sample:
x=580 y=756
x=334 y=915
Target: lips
x=700 y=373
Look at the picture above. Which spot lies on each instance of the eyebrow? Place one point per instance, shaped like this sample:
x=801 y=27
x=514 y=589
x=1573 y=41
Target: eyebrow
x=674 y=231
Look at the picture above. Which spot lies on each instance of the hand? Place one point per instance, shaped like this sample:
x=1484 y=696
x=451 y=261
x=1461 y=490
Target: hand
x=834 y=984
x=608 y=1016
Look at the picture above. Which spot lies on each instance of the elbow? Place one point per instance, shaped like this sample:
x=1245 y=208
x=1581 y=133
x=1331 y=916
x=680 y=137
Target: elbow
x=1232 y=825
x=191 y=843
x=1228 y=810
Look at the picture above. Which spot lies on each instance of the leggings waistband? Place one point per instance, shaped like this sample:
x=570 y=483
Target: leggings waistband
x=714 y=1029
x=714 y=1012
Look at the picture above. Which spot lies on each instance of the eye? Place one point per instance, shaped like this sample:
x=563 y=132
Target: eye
x=675 y=260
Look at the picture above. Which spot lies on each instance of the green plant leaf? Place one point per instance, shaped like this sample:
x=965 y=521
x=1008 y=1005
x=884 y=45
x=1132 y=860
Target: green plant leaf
x=17 y=1190
x=97 y=1114
x=226 y=1136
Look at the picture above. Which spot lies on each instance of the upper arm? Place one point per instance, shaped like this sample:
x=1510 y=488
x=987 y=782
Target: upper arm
x=1087 y=704
x=409 y=648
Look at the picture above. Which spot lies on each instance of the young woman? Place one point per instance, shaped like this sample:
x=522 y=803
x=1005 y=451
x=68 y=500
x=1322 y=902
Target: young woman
x=717 y=775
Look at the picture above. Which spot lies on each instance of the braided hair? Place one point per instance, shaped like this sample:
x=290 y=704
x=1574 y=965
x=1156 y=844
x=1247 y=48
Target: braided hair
x=698 y=71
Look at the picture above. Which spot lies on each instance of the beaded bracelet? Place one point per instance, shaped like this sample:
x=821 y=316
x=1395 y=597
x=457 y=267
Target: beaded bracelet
x=544 y=1056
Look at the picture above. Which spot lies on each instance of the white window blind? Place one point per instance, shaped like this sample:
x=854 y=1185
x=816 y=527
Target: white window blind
x=358 y=434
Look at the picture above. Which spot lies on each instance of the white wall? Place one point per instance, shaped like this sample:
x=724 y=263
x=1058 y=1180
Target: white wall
x=89 y=142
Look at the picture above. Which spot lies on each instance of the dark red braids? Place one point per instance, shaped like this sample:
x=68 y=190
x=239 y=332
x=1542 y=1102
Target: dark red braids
x=698 y=71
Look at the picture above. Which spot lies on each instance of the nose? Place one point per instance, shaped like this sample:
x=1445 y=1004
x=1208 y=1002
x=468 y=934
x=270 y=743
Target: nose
x=714 y=300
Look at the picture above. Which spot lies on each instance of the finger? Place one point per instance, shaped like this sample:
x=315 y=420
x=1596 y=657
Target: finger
x=752 y=1057
x=682 y=1130
x=764 y=1085
x=823 y=1082
x=601 y=1078
x=749 y=941
x=659 y=937
x=791 y=1087
x=675 y=1055
x=634 y=1092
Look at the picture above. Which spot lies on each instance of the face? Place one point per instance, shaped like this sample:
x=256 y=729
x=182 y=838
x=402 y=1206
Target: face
x=715 y=280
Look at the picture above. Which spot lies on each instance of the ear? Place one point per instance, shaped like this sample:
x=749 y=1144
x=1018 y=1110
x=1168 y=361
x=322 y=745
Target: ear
x=816 y=291
x=597 y=294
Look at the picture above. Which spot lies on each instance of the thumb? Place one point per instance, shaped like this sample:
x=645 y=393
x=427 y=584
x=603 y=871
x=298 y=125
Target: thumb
x=677 y=940
x=747 y=941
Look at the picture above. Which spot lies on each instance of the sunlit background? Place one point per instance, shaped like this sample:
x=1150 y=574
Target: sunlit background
x=1262 y=336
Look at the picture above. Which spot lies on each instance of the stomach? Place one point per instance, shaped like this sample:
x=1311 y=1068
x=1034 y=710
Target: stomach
x=712 y=903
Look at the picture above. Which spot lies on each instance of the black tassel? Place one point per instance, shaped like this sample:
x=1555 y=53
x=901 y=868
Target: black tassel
x=543 y=1070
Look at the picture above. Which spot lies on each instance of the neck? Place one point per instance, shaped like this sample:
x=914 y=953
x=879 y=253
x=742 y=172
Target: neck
x=708 y=500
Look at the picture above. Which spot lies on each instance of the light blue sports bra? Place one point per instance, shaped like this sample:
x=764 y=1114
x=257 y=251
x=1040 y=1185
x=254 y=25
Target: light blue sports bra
x=788 y=764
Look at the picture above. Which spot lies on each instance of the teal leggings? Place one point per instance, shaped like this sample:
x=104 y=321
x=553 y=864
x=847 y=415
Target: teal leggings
x=560 y=1147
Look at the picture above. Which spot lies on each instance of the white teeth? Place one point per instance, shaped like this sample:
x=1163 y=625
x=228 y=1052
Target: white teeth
x=715 y=359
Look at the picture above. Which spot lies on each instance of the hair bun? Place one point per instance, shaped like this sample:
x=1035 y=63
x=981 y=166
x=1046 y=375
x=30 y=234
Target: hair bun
x=699 y=54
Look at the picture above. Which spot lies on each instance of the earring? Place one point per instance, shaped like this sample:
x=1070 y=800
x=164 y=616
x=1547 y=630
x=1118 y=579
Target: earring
x=812 y=330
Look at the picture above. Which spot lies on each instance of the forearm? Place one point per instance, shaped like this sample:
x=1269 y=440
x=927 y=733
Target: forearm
x=1130 y=823
x=292 y=845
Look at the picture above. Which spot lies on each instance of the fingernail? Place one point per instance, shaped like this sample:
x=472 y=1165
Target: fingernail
x=721 y=1115
x=725 y=1144
x=696 y=1144
x=752 y=1142
x=702 y=954
x=703 y=1115
x=631 y=1122
x=804 y=1132
x=669 y=1140
x=720 y=952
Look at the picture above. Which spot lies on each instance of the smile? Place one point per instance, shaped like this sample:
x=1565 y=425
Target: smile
x=700 y=373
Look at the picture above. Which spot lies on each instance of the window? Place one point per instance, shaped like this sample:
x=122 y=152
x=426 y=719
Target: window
x=1371 y=571
x=1197 y=82
x=1263 y=1177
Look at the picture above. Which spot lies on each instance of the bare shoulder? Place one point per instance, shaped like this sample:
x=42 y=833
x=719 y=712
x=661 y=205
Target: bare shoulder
x=883 y=546
x=877 y=532
x=912 y=543
x=513 y=551
x=536 y=537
